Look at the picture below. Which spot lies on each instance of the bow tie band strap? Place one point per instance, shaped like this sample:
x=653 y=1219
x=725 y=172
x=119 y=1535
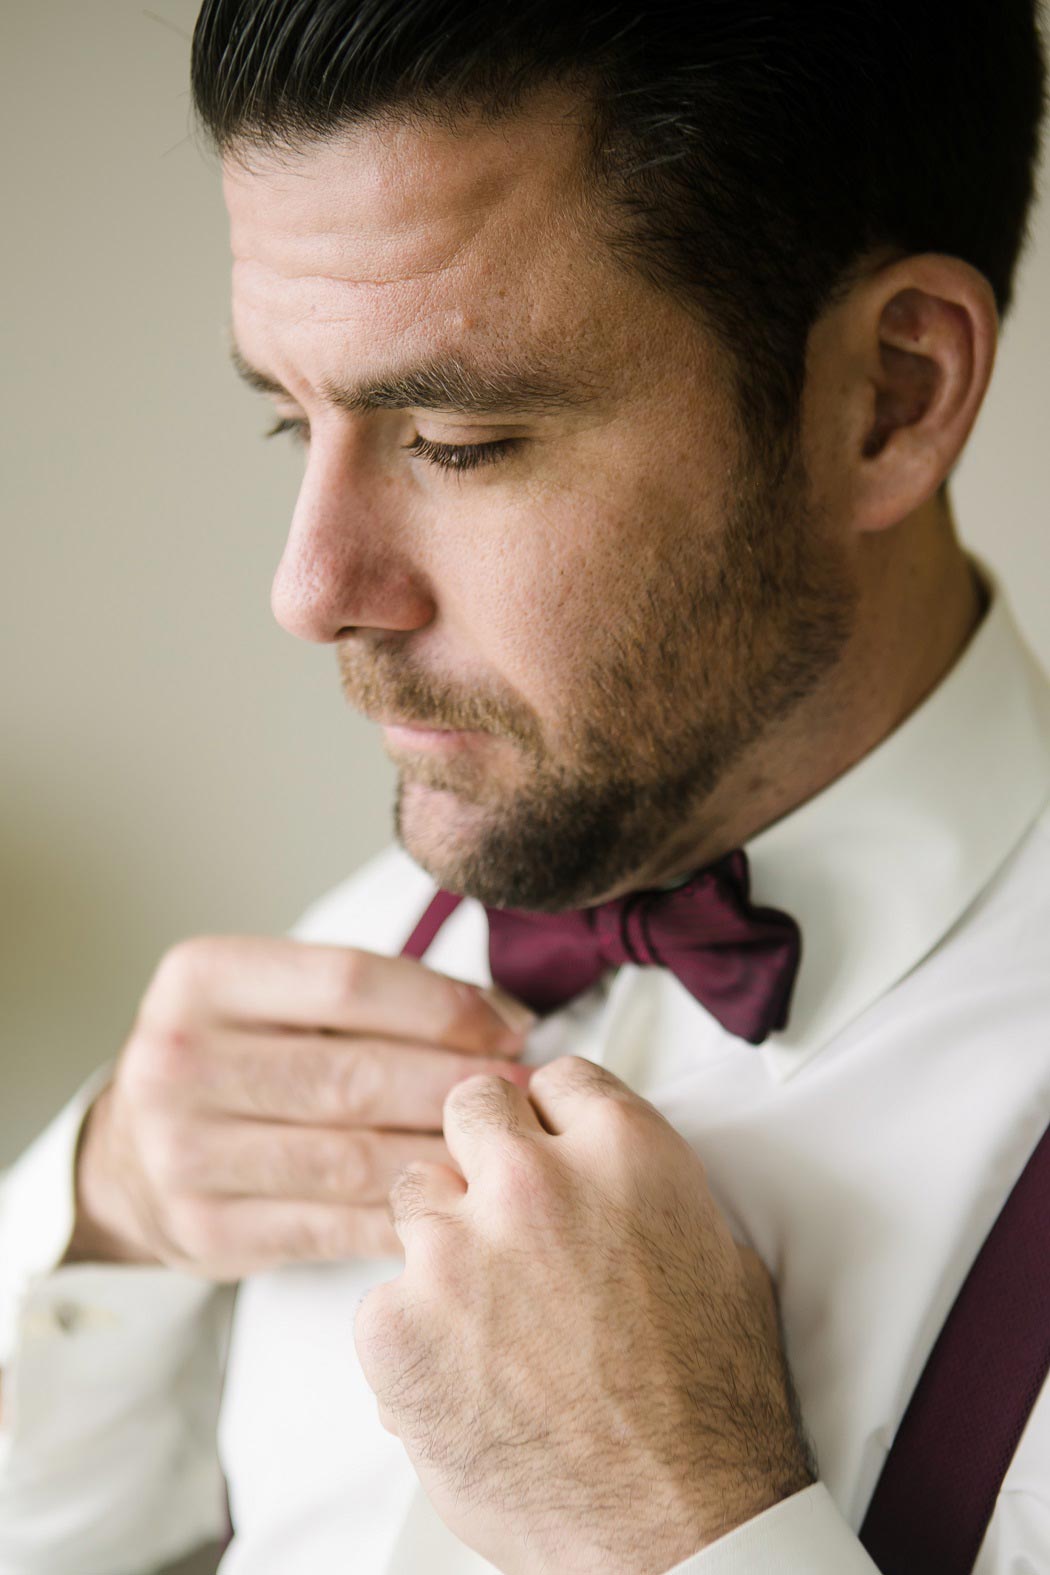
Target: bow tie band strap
x=440 y=908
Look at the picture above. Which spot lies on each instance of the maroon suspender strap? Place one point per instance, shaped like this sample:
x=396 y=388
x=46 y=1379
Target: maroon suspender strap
x=439 y=909
x=938 y=1487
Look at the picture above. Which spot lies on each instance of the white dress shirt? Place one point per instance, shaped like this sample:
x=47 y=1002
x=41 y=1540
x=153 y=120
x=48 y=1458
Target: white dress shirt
x=864 y=1151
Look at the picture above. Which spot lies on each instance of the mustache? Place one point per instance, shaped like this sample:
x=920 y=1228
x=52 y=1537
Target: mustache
x=388 y=684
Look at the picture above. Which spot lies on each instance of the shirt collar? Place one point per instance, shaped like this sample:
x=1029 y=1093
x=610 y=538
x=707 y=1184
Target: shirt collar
x=878 y=866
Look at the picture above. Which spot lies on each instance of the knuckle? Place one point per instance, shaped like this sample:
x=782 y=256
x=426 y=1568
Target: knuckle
x=408 y=1198
x=181 y=967
x=463 y=1007
x=479 y=1099
x=465 y=1071
x=197 y=1229
x=167 y=1054
x=348 y=1167
x=618 y=1128
x=318 y=1239
x=350 y=968
x=172 y=1153
x=576 y=1073
x=468 y=1087
x=357 y=1084
x=617 y=1116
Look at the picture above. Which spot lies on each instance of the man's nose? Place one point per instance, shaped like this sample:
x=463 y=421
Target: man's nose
x=345 y=565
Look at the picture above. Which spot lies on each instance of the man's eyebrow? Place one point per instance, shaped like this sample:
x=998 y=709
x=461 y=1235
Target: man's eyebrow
x=444 y=383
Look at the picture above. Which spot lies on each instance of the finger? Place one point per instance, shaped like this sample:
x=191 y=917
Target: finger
x=232 y=1238
x=478 y=1112
x=316 y=1164
x=259 y=979
x=423 y=1193
x=332 y=1080
x=563 y=1090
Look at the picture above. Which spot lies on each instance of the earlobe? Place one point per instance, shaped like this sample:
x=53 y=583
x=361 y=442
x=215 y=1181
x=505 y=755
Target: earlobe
x=932 y=332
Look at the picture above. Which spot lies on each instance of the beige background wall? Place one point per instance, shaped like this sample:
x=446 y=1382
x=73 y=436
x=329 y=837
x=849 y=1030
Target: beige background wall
x=173 y=762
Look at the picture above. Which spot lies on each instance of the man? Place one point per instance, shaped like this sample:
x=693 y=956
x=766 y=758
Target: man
x=633 y=350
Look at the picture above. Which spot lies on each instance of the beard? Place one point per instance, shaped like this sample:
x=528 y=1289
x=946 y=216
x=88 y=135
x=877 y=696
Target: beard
x=716 y=641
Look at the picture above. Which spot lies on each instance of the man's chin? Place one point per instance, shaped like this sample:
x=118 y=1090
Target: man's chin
x=515 y=854
x=440 y=829
x=546 y=846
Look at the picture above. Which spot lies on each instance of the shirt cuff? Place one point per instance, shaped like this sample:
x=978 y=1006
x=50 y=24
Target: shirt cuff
x=39 y=1296
x=802 y=1535
x=37 y=1206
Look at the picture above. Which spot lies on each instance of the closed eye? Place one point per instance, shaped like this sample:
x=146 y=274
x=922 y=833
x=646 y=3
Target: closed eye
x=459 y=456
x=447 y=456
x=290 y=424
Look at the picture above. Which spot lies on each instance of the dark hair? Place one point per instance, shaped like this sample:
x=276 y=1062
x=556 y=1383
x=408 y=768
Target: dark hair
x=755 y=150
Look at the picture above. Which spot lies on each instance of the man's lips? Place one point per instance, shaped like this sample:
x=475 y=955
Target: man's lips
x=411 y=724
x=425 y=735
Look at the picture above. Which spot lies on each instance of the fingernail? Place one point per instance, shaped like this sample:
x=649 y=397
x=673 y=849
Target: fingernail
x=517 y=1017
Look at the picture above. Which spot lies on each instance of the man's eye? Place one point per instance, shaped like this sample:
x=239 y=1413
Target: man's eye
x=449 y=456
x=298 y=429
x=460 y=456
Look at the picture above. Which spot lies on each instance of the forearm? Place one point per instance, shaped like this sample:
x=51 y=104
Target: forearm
x=103 y=1227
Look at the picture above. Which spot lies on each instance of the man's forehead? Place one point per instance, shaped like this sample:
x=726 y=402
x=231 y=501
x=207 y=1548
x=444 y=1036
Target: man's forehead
x=374 y=253
x=381 y=202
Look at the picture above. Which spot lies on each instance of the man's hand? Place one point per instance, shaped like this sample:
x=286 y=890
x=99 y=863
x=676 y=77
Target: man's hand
x=583 y=1367
x=269 y=1094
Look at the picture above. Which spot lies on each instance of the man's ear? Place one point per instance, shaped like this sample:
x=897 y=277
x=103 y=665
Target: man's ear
x=899 y=368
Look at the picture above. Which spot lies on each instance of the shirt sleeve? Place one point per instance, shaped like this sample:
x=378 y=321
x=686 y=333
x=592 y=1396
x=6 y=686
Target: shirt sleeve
x=802 y=1535
x=111 y=1381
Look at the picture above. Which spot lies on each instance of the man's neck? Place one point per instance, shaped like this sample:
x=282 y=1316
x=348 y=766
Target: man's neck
x=921 y=602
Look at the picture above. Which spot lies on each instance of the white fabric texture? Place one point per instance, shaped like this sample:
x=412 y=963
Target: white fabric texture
x=864 y=1152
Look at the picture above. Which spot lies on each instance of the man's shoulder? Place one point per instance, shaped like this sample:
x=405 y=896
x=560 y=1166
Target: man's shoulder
x=375 y=907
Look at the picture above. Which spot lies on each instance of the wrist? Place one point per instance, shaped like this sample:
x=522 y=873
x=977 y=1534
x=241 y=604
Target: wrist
x=682 y=1523
x=102 y=1227
x=739 y=1507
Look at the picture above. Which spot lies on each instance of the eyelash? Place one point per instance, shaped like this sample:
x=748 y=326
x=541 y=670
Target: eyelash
x=447 y=456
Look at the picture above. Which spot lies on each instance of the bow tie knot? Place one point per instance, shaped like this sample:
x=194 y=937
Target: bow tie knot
x=738 y=960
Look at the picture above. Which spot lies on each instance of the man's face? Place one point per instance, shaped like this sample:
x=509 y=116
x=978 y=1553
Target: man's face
x=601 y=601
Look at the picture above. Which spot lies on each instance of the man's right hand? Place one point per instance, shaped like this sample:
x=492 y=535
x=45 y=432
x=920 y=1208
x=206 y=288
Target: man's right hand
x=268 y=1096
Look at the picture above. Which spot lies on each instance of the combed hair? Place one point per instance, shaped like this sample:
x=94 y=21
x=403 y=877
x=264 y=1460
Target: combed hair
x=753 y=151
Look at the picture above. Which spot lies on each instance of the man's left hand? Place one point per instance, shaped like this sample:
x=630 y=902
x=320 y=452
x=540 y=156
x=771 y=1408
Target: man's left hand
x=583 y=1366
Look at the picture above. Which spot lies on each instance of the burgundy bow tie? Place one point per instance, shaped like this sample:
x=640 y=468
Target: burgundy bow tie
x=739 y=961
